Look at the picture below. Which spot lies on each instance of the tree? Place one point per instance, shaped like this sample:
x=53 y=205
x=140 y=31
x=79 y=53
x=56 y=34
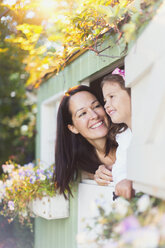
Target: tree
x=15 y=110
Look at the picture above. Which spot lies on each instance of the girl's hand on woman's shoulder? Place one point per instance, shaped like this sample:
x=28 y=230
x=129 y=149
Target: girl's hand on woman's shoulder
x=103 y=175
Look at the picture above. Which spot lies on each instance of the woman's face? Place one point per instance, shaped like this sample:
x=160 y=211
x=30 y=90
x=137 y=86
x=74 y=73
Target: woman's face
x=88 y=116
x=117 y=103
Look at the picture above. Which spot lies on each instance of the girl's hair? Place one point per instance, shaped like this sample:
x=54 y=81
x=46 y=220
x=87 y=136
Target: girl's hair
x=73 y=151
x=114 y=129
x=116 y=78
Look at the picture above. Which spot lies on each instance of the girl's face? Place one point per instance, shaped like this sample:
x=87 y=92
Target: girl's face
x=88 y=116
x=117 y=103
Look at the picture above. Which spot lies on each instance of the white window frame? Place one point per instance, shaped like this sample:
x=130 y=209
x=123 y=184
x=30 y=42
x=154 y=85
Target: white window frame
x=145 y=75
x=49 y=110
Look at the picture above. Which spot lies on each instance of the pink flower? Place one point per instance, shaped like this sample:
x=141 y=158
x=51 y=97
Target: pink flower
x=119 y=72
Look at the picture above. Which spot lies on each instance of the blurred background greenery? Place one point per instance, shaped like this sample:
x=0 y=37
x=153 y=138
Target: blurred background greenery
x=17 y=104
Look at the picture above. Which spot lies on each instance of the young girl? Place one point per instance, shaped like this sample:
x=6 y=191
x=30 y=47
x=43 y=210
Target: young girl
x=118 y=106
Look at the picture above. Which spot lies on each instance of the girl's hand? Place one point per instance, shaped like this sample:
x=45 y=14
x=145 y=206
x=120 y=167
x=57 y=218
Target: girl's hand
x=103 y=175
x=124 y=189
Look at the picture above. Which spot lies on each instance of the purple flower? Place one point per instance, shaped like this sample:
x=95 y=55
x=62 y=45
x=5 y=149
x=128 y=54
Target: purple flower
x=40 y=171
x=21 y=173
x=31 y=165
x=143 y=237
x=49 y=174
x=32 y=179
x=11 y=205
x=29 y=173
x=129 y=223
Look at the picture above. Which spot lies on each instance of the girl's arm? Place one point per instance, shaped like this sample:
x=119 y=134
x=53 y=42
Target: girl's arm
x=119 y=170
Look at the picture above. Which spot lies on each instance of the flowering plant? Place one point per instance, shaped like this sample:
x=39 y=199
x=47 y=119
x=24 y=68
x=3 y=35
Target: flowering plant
x=19 y=185
x=139 y=222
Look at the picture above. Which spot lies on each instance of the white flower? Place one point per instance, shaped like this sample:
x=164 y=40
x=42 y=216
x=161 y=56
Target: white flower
x=7 y=168
x=15 y=175
x=30 y=14
x=121 y=206
x=13 y=94
x=143 y=203
x=2 y=190
x=24 y=129
x=10 y=2
x=42 y=177
x=9 y=183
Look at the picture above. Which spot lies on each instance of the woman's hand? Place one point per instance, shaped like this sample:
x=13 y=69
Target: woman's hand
x=103 y=175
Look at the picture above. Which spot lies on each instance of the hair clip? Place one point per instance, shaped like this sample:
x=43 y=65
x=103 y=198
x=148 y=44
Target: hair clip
x=119 y=72
x=66 y=93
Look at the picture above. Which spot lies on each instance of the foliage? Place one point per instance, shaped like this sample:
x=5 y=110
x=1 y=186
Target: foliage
x=139 y=222
x=19 y=186
x=50 y=34
x=18 y=120
x=17 y=109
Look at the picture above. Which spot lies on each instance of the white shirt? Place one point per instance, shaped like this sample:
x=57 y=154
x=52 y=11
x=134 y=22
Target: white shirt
x=119 y=169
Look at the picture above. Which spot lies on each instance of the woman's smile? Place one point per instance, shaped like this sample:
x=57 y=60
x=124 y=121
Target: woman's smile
x=98 y=124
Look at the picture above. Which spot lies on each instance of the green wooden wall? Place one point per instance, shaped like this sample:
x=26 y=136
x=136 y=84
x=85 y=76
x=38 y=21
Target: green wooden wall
x=62 y=233
x=58 y=233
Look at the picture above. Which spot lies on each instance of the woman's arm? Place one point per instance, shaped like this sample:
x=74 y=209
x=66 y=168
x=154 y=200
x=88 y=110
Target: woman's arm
x=86 y=175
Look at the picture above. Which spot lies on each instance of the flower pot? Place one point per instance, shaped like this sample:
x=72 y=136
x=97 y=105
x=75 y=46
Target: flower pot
x=56 y=207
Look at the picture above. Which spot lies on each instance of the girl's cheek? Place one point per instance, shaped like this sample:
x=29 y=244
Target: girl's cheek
x=107 y=105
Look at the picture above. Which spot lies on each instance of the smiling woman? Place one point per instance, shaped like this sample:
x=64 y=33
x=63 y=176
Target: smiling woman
x=82 y=136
